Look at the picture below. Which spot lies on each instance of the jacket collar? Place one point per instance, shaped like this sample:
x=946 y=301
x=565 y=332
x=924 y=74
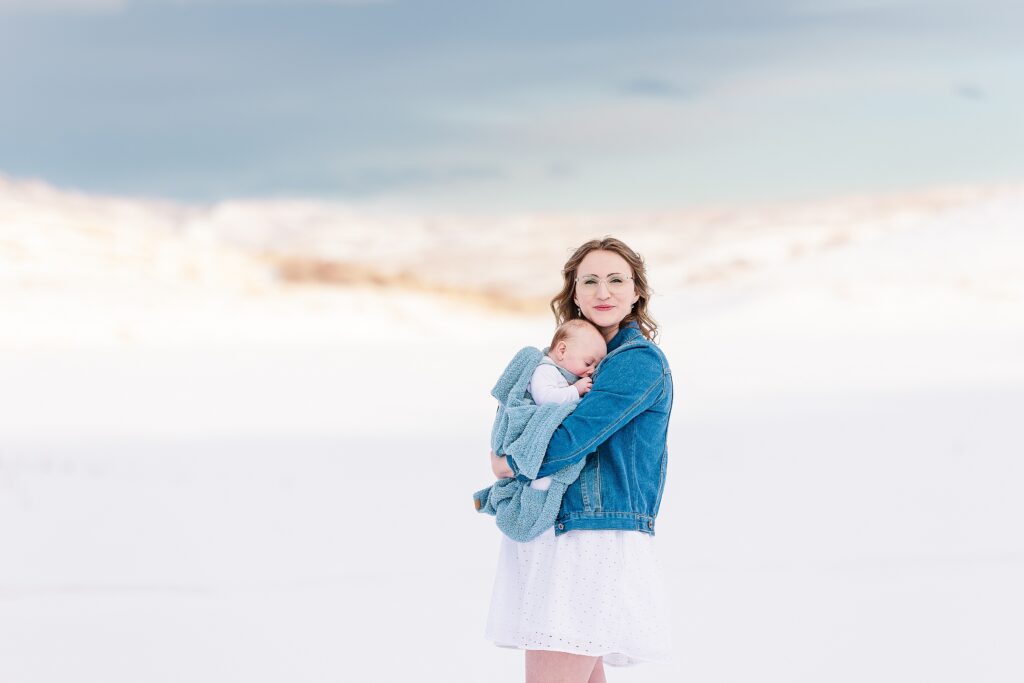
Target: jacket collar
x=627 y=333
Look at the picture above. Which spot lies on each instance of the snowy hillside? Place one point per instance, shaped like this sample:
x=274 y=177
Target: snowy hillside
x=153 y=272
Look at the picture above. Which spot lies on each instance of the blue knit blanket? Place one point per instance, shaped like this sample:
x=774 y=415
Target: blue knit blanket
x=522 y=430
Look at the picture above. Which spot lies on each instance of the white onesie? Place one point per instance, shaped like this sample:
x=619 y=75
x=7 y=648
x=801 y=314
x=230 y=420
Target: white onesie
x=547 y=385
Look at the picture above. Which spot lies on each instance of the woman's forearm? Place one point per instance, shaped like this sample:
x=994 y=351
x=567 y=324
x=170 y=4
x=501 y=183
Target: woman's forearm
x=499 y=465
x=621 y=393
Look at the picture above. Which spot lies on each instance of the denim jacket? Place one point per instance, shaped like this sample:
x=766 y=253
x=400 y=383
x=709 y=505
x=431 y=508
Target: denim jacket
x=622 y=425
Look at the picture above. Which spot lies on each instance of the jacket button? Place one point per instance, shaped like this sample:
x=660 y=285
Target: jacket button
x=650 y=525
x=561 y=526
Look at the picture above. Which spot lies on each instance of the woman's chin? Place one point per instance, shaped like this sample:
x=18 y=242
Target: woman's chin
x=605 y=318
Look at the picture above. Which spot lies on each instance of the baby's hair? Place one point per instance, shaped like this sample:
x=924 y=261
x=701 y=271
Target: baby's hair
x=570 y=327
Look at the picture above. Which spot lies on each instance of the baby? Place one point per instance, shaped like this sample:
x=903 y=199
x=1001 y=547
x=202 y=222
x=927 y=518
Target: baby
x=575 y=351
x=541 y=390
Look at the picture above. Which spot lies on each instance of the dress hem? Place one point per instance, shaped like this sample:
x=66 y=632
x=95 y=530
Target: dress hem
x=615 y=660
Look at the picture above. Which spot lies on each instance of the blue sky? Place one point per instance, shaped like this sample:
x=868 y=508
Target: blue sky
x=508 y=106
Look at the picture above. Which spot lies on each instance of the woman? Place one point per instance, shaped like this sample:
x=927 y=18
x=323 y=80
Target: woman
x=589 y=591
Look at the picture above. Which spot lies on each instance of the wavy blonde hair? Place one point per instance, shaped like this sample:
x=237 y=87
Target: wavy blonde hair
x=565 y=309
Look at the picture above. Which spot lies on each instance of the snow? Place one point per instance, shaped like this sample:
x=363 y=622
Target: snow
x=210 y=473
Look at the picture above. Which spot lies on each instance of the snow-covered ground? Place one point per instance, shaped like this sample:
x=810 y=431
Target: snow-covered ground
x=216 y=464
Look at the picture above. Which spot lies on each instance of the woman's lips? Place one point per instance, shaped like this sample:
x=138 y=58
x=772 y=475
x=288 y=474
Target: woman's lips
x=603 y=308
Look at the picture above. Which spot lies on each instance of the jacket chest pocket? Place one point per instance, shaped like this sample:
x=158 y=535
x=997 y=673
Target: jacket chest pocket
x=590 y=483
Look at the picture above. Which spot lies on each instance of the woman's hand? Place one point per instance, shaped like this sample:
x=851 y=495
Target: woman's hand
x=499 y=465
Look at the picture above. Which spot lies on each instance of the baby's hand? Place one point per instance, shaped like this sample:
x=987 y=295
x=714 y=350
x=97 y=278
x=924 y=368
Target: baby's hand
x=583 y=386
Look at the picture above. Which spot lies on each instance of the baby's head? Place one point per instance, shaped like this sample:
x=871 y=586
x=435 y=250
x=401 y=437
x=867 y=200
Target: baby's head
x=578 y=347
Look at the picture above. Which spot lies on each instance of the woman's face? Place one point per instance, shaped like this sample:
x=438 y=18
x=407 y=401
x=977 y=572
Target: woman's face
x=601 y=305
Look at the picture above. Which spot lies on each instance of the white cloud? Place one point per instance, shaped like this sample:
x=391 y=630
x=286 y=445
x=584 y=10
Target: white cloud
x=43 y=6
x=102 y=6
x=256 y=3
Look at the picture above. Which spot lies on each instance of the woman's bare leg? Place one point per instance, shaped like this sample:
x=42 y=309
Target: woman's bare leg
x=545 y=666
x=598 y=674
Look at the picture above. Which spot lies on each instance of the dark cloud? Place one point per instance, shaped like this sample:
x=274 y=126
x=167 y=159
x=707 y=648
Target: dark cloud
x=653 y=87
x=560 y=169
x=969 y=91
x=368 y=181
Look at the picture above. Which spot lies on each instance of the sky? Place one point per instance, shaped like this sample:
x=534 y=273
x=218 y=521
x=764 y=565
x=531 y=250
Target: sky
x=469 y=105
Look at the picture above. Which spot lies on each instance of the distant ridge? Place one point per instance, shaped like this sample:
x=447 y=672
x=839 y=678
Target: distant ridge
x=129 y=261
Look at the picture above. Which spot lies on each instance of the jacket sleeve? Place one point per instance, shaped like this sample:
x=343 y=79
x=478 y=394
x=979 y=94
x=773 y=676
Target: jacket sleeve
x=630 y=384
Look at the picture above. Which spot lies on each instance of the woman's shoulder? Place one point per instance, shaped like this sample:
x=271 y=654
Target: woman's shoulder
x=637 y=356
x=631 y=341
x=640 y=351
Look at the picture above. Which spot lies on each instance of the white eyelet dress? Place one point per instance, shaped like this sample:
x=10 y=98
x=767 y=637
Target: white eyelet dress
x=590 y=592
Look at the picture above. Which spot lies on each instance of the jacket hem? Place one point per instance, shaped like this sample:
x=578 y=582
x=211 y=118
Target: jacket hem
x=626 y=521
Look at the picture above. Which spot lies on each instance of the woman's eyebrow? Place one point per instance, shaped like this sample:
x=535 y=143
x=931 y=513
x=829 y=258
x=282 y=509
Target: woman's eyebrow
x=596 y=275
